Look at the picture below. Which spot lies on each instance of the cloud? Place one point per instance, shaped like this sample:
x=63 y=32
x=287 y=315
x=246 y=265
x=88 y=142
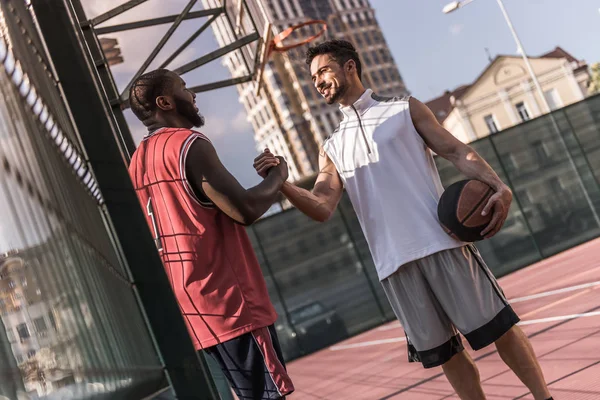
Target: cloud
x=456 y=29
x=240 y=122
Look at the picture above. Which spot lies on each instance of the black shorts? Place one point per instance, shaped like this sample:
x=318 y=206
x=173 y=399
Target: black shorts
x=254 y=366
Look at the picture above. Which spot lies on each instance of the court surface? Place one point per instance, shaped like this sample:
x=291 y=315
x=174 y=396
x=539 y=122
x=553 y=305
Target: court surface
x=558 y=300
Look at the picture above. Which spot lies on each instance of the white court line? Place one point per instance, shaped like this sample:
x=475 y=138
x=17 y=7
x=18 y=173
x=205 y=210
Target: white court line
x=521 y=299
x=365 y=344
x=553 y=292
x=559 y=318
x=402 y=339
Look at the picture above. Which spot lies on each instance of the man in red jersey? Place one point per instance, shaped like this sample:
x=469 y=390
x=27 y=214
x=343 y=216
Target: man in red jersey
x=196 y=211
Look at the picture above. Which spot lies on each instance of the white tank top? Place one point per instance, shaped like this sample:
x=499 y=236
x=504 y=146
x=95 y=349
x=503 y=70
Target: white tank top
x=391 y=179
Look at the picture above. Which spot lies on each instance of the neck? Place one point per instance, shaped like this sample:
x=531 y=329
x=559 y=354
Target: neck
x=354 y=92
x=169 y=122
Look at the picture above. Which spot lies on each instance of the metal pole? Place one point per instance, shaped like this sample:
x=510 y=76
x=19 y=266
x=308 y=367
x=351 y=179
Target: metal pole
x=525 y=58
x=548 y=110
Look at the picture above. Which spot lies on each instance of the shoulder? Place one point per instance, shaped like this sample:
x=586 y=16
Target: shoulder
x=391 y=100
x=334 y=134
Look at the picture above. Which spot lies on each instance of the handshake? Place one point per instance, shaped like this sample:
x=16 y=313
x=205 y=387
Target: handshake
x=267 y=163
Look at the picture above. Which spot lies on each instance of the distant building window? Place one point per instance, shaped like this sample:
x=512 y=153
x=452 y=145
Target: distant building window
x=385 y=55
x=522 y=110
x=541 y=151
x=376 y=58
x=52 y=320
x=40 y=325
x=367 y=59
x=358 y=40
x=375 y=77
x=10 y=335
x=490 y=121
x=23 y=332
x=553 y=99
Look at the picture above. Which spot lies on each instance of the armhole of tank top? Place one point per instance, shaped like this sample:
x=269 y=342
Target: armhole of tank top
x=337 y=168
x=182 y=171
x=412 y=125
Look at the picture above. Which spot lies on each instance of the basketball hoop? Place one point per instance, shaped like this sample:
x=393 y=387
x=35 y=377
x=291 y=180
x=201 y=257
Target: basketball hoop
x=276 y=44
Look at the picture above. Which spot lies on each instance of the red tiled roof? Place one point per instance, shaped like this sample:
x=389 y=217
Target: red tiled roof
x=558 y=52
x=441 y=106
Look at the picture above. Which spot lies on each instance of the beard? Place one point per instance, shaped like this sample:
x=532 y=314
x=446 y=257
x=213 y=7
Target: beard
x=187 y=110
x=337 y=93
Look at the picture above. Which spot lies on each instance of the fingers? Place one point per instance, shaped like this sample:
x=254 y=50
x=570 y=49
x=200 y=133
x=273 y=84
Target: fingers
x=490 y=204
x=265 y=164
x=496 y=223
x=263 y=158
x=264 y=170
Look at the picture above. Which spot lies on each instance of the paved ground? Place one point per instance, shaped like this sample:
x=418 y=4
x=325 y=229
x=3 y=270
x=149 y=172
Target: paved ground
x=558 y=301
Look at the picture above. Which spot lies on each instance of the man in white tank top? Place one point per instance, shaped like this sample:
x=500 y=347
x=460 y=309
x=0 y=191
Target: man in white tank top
x=438 y=286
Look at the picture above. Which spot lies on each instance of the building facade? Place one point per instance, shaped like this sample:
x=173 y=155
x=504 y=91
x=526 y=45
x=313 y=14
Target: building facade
x=504 y=94
x=289 y=116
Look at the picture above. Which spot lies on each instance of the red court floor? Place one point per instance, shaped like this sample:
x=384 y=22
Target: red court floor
x=558 y=301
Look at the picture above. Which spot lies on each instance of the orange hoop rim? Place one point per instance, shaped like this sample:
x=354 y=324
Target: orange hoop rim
x=276 y=43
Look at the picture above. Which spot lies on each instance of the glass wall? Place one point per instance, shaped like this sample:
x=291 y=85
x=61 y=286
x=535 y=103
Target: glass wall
x=321 y=276
x=70 y=323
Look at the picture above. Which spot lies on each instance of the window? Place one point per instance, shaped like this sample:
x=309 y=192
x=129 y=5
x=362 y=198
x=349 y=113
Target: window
x=385 y=55
x=23 y=332
x=490 y=121
x=52 y=320
x=40 y=325
x=375 y=56
x=367 y=59
x=383 y=76
x=541 y=151
x=375 y=77
x=10 y=335
x=522 y=110
x=553 y=99
x=367 y=36
x=358 y=39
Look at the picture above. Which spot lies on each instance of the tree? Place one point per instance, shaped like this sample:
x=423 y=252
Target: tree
x=594 y=86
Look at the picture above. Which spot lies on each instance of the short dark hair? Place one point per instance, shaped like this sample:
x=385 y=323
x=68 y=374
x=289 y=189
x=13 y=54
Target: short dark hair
x=146 y=88
x=339 y=50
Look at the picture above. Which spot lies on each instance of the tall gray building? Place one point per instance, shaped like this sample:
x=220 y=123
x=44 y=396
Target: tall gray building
x=289 y=116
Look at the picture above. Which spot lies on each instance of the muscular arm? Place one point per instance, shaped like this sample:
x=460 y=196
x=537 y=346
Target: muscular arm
x=465 y=159
x=204 y=169
x=446 y=145
x=325 y=196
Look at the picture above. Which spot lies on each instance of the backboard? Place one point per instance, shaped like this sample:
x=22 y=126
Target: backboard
x=239 y=26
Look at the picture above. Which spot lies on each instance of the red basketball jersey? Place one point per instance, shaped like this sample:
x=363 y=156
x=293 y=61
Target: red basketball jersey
x=208 y=257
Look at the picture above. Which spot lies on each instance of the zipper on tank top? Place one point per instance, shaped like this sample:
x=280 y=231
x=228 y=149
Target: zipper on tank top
x=362 y=130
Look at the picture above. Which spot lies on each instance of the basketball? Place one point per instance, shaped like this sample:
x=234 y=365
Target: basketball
x=460 y=207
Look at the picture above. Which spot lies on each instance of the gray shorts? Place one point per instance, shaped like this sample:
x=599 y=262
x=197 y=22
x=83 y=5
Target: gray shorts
x=445 y=293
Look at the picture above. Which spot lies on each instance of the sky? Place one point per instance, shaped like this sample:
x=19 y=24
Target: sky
x=434 y=52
